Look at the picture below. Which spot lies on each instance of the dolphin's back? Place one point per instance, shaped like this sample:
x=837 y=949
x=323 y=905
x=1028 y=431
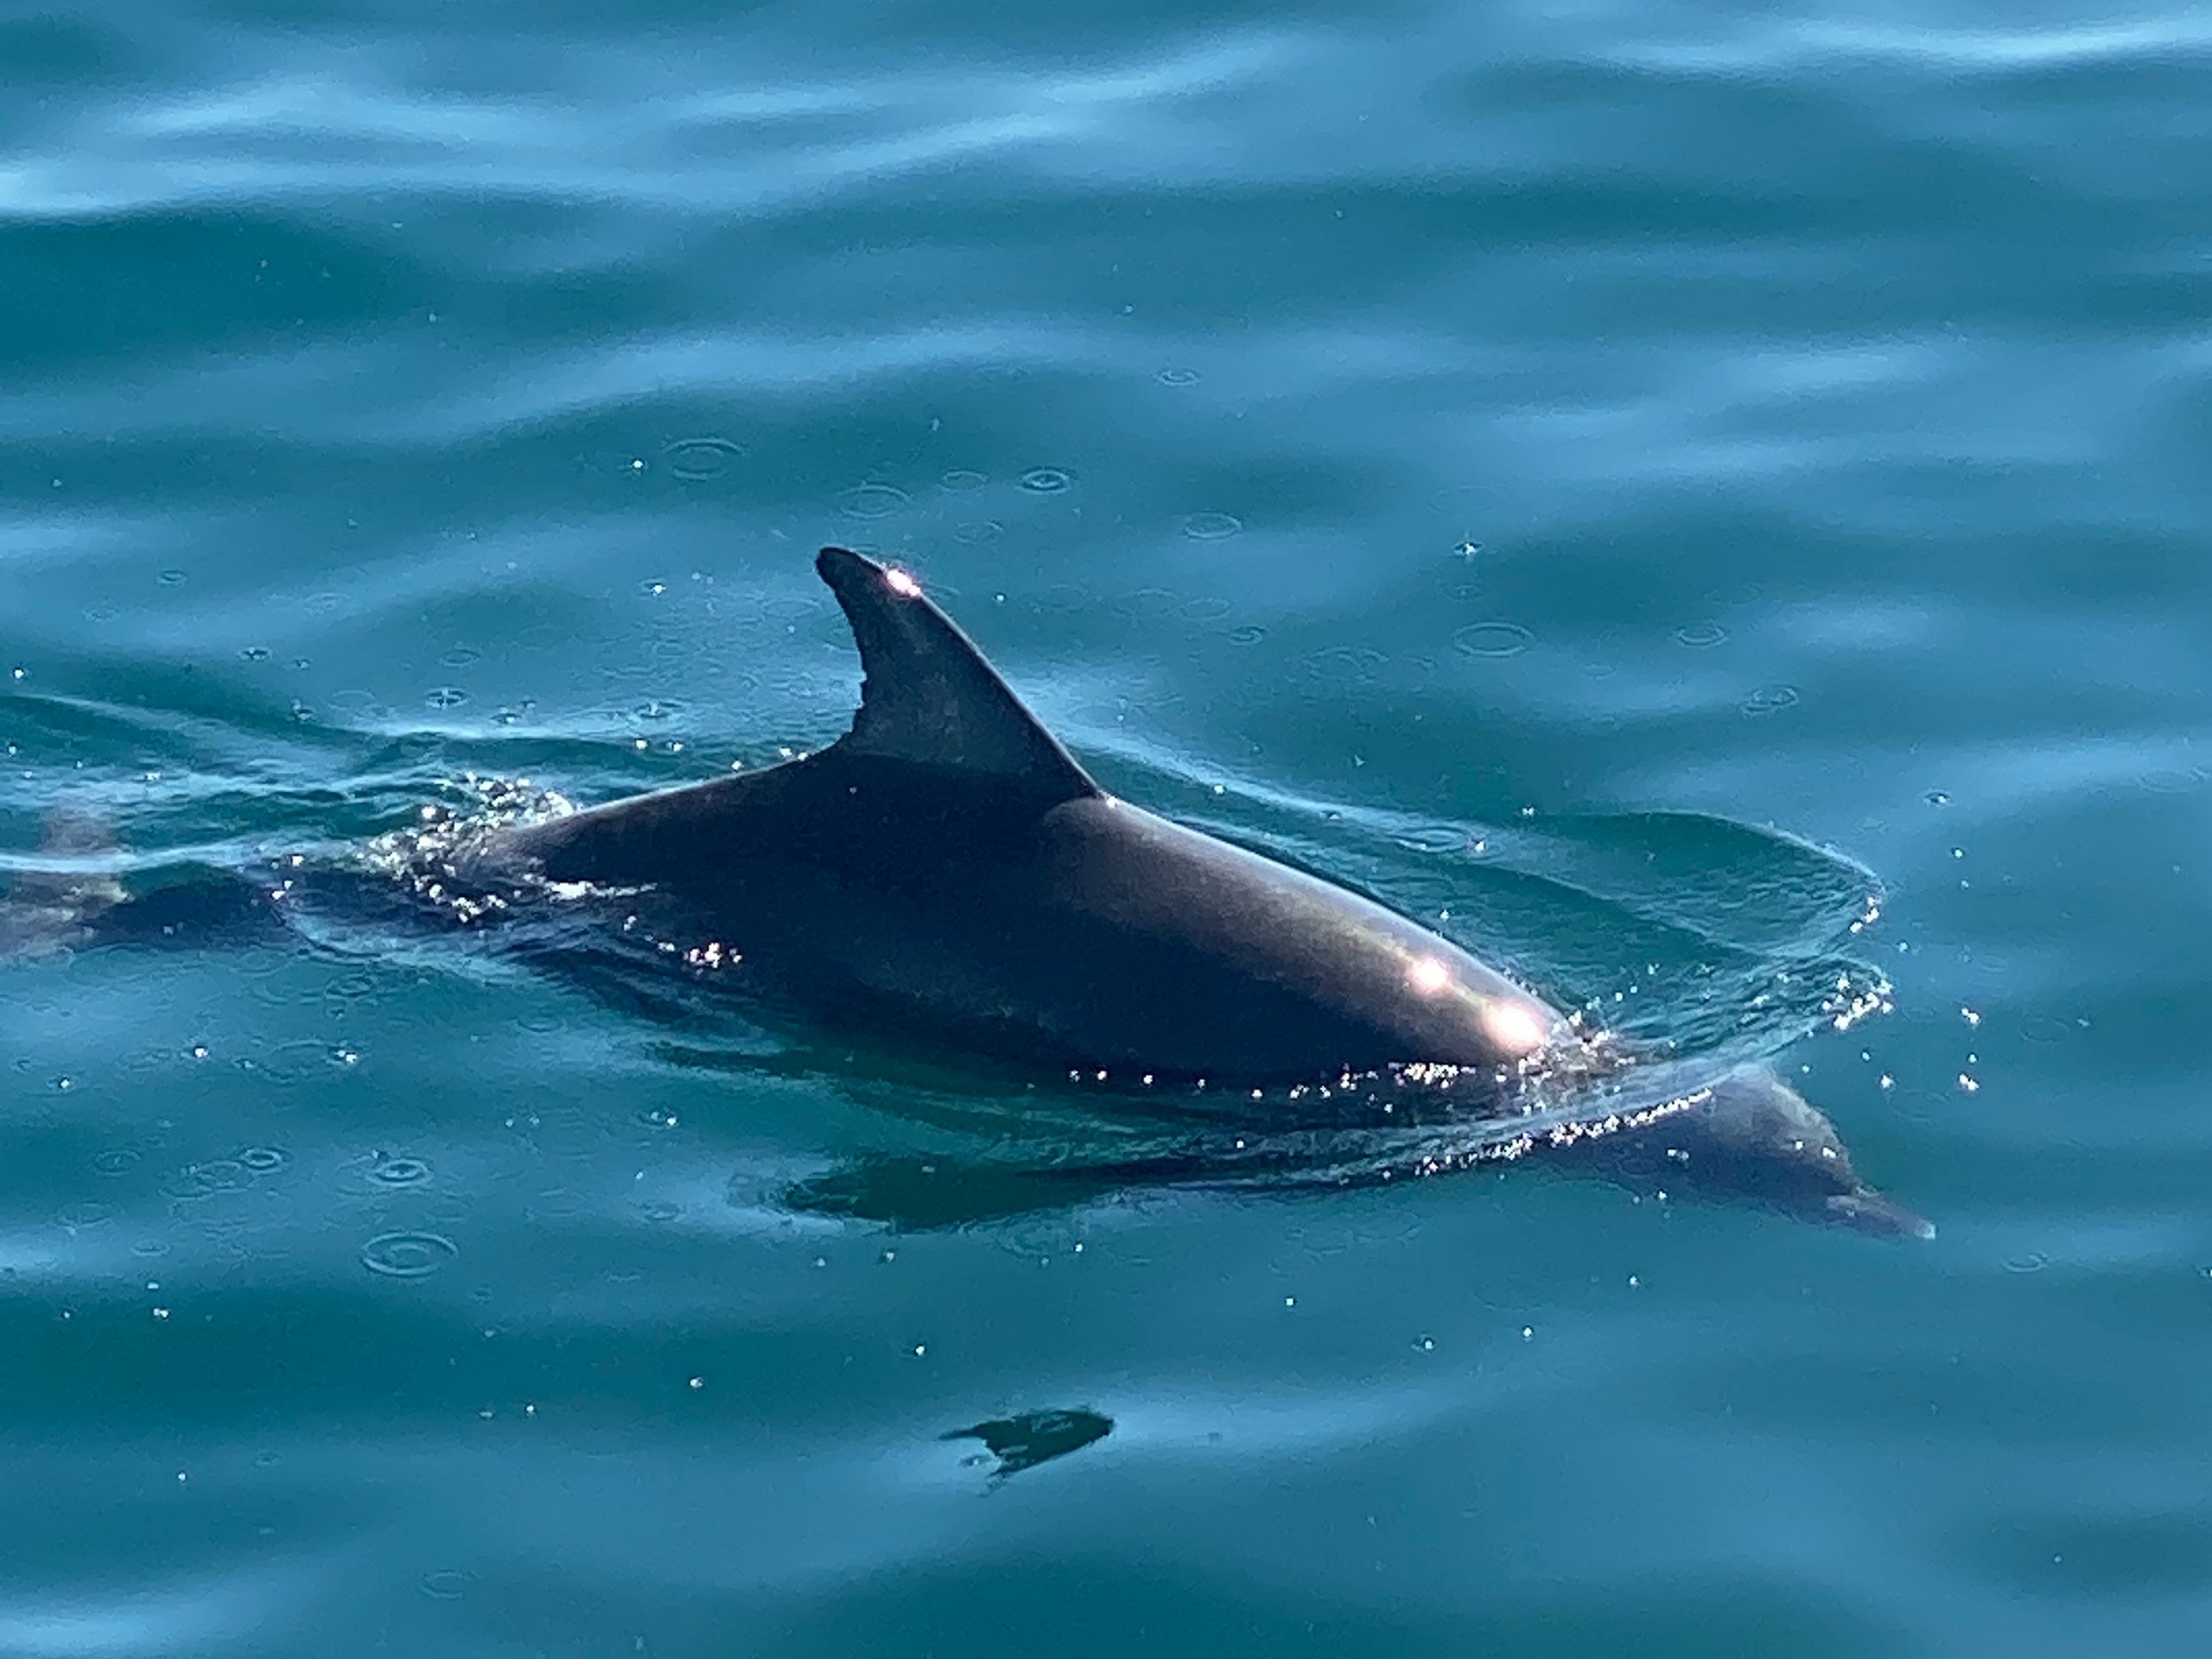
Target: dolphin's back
x=947 y=871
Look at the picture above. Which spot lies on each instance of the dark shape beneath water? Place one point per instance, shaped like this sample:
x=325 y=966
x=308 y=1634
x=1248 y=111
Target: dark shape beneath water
x=1035 y=1437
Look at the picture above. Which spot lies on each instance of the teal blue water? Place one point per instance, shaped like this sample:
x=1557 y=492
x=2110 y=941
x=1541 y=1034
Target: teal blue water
x=1444 y=444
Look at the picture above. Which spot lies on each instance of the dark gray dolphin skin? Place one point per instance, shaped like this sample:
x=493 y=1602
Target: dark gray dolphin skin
x=946 y=872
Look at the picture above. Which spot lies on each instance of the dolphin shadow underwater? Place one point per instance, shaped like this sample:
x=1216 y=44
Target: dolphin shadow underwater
x=946 y=881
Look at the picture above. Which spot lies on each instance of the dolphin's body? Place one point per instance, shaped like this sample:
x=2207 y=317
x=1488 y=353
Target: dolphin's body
x=945 y=876
x=946 y=872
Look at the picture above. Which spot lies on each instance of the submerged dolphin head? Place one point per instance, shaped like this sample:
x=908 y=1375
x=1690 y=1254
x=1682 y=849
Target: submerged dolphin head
x=1757 y=1138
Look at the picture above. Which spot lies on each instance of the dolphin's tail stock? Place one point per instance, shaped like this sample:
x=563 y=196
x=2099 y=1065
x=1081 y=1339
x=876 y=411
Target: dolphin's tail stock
x=56 y=901
x=72 y=894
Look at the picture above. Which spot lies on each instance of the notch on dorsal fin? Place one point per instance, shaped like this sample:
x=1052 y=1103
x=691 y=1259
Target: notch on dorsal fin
x=929 y=697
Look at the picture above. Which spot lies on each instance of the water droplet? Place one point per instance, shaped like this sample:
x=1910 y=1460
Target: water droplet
x=459 y=656
x=660 y=1210
x=1492 y=640
x=2032 y=1262
x=1179 y=376
x=262 y=1161
x=1250 y=634
x=696 y=460
x=205 y=1181
x=399 y=1171
x=1936 y=797
x=447 y=697
x=872 y=501
x=1211 y=526
x=961 y=480
x=1769 y=700
x=172 y=578
x=1047 y=481
x=407 y=1255
x=448 y=1583
x=255 y=653
x=87 y=1212
x=1701 y=636
x=117 y=1161
x=988 y=530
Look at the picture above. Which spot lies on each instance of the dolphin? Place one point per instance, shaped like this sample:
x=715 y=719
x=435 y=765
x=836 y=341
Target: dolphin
x=947 y=872
x=946 y=875
x=946 y=878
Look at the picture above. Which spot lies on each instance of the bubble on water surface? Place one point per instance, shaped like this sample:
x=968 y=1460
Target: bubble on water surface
x=408 y=1255
x=1211 y=526
x=1492 y=640
x=205 y=1181
x=698 y=459
x=872 y=501
x=399 y=1171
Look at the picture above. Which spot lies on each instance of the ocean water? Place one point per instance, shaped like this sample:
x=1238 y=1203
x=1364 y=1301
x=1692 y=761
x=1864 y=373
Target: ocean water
x=1643 y=480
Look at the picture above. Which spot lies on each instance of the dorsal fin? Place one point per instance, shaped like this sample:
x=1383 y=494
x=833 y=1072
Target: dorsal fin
x=927 y=694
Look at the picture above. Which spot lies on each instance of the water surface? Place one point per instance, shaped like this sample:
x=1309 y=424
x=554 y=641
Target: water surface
x=1445 y=445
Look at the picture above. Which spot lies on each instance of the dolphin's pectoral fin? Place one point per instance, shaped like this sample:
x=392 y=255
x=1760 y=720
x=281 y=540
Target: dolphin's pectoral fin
x=929 y=697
